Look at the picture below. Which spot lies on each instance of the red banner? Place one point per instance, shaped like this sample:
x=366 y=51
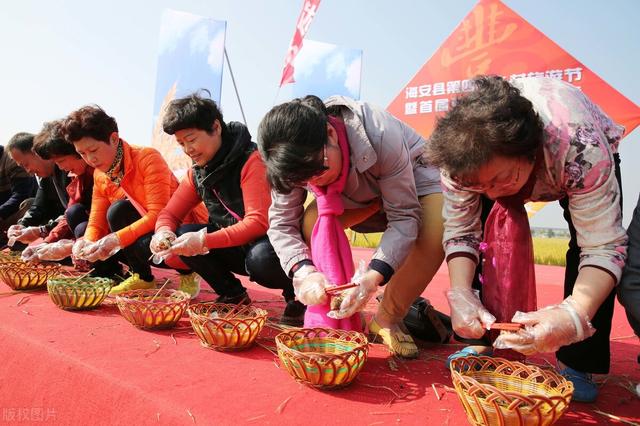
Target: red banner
x=493 y=39
x=309 y=9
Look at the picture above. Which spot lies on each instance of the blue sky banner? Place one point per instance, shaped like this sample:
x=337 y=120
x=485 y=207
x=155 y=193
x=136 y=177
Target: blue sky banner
x=324 y=69
x=190 y=57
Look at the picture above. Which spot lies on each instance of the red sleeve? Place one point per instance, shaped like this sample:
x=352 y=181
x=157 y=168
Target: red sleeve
x=183 y=200
x=256 y=195
x=59 y=232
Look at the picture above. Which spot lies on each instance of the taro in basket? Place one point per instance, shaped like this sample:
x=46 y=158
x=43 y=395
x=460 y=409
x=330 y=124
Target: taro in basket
x=226 y=327
x=322 y=357
x=21 y=275
x=79 y=293
x=151 y=308
x=495 y=391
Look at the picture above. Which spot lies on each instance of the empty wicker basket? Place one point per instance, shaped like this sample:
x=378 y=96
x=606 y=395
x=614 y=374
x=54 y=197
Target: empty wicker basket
x=79 y=294
x=226 y=327
x=152 y=309
x=27 y=276
x=495 y=391
x=321 y=357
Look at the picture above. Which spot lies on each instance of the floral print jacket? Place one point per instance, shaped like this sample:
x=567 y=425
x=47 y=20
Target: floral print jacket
x=579 y=143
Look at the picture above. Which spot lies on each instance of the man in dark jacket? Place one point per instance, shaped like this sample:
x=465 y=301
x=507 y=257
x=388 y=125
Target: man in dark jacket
x=16 y=187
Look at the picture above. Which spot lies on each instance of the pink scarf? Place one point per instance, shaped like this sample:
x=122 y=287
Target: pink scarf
x=508 y=276
x=330 y=248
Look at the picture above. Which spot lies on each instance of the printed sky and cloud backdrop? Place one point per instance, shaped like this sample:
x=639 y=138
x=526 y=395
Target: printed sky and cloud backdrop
x=324 y=69
x=190 y=58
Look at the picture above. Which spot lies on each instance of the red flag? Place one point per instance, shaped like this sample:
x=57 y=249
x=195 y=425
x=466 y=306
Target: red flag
x=309 y=9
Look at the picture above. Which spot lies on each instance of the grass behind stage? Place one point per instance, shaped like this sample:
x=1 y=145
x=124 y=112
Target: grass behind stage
x=547 y=251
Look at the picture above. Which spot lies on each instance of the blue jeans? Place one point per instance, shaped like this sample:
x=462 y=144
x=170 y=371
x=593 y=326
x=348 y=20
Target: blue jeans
x=629 y=287
x=257 y=260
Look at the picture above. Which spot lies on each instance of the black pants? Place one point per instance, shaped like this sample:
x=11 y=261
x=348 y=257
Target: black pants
x=257 y=260
x=137 y=255
x=592 y=355
x=77 y=218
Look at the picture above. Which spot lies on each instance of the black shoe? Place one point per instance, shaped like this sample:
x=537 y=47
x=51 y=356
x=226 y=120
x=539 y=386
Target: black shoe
x=240 y=299
x=293 y=314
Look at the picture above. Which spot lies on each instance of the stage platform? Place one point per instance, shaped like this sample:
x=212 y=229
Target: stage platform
x=94 y=368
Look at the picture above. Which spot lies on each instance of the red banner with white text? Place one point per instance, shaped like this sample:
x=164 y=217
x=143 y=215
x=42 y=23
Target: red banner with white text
x=309 y=9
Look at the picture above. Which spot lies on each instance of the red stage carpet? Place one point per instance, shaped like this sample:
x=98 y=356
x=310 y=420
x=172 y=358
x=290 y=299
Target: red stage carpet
x=94 y=368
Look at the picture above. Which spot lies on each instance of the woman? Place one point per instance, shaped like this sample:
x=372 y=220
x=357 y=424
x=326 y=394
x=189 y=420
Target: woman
x=365 y=170
x=49 y=144
x=229 y=176
x=130 y=186
x=535 y=139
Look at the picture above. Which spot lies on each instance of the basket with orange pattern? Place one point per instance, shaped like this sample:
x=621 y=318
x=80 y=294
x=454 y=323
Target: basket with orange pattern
x=322 y=357
x=226 y=327
x=10 y=256
x=21 y=275
x=151 y=308
x=79 y=293
x=495 y=391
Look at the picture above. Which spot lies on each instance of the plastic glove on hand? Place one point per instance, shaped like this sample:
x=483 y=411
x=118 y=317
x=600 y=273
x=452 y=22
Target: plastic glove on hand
x=55 y=251
x=189 y=244
x=162 y=240
x=30 y=254
x=309 y=286
x=469 y=318
x=102 y=249
x=22 y=234
x=548 y=329
x=355 y=299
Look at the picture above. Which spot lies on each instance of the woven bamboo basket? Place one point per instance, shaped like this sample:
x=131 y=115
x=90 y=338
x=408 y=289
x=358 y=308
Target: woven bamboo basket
x=226 y=327
x=498 y=392
x=152 y=309
x=79 y=294
x=321 y=357
x=20 y=275
x=9 y=256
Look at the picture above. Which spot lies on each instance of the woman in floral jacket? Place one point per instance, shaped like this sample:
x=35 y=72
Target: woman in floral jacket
x=544 y=140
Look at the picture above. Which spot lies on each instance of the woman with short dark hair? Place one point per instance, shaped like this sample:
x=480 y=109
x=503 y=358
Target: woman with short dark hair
x=131 y=186
x=366 y=172
x=535 y=139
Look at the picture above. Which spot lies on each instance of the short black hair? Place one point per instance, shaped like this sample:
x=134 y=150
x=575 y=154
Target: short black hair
x=50 y=142
x=493 y=119
x=192 y=112
x=22 y=141
x=290 y=138
x=89 y=121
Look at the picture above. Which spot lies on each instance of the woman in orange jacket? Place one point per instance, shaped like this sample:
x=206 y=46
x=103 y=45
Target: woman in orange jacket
x=131 y=185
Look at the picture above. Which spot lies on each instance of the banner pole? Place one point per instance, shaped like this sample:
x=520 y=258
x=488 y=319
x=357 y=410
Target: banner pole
x=226 y=56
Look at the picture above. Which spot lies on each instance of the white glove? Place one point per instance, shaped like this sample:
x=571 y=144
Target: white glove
x=189 y=244
x=55 y=251
x=355 y=299
x=547 y=329
x=162 y=240
x=309 y=285
x=469 y=318
x=102 y=249
x=22 y=234
x=30 y=254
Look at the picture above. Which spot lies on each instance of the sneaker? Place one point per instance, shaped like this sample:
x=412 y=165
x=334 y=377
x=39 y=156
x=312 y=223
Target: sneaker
x=240 y=299
x=293 y=314
x=189 y=283
x=584 y=388
x=134 y=282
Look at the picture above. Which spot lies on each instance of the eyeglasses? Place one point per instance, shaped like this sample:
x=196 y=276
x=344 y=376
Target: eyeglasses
x=505 y=183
